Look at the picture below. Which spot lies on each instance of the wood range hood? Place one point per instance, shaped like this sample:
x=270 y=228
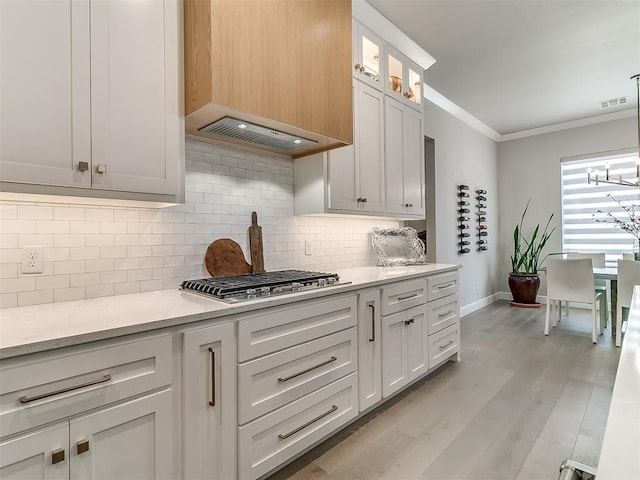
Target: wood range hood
x=270 y=74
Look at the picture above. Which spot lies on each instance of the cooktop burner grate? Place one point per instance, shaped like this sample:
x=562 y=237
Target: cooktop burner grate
x=256 y=285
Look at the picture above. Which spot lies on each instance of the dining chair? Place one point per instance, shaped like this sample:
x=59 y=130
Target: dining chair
x=598 y=260
x=628 y=277
x=572 y=280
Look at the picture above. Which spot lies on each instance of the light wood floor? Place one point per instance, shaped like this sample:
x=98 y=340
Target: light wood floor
x=515 y=406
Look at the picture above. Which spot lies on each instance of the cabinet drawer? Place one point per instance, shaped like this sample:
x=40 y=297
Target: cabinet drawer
x=443 y=344
x=270 y=382
x=281 y=328
x=402 y=295
x=442 y=313
x=45 y=387
x=271 y=440
x=442 y=285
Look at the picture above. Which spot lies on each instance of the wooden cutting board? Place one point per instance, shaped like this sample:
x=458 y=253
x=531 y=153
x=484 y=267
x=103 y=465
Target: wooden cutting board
x=224 y=257
x=255 y=244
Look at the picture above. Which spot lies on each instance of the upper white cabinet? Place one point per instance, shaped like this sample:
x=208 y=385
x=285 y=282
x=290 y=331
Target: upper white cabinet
x=404 y=78
x=367 y=56
x=89 y=94
x=404 y=159
x=348 y=179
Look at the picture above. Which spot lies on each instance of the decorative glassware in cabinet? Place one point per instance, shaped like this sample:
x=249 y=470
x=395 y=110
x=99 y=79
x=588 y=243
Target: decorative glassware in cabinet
x=395 y=67
x=367 y=56
x=414 y=92
x=370 y=58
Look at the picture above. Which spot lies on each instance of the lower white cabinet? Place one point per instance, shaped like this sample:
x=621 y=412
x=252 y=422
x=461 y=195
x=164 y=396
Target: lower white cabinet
x=128 y=440
x=278 y=436
x=209 y=402
x=404 y=348
x=369 y=349
x=34 y=456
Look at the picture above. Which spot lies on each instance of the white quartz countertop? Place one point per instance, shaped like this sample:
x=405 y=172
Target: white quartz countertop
x=36 y=328
x=620 y=454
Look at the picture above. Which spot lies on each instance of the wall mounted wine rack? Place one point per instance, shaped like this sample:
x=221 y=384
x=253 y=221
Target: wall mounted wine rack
x=464 y=215
x=482 y=244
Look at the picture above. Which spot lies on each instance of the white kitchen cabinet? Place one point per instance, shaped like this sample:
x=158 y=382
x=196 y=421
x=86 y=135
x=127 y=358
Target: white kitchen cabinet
x=128 y=440
x=37 y=455
x=348 y=179
x=404 y=348
x=443 y=318
x=369 y=349
x=209 y=402
x=404 y=78
x=367 y=56
x=90 y=98
x=404 y=160
x=90 y=410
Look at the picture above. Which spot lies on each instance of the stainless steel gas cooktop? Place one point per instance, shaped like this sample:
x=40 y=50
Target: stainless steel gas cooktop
x=250 y=286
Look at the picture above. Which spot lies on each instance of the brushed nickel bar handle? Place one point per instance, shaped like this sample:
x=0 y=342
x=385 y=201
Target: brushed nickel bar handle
x=446 y=285
x=310 y=422
x=373 y=323
x=25 y=399
x=408 y=296
x=447 y=344
x=444 y=314
x=212 y=402
x=286 y=379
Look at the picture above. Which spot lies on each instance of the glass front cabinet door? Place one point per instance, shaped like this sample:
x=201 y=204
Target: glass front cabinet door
x=367 y=56
x=404 y=80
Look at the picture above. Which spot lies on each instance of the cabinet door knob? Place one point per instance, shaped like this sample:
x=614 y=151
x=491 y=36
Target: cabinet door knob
x=359 y=199
x=409 y=322
x=362 y=69
x=364 y=200
x=82 y=446
x=358 y=67
x=83 y=166
x=101 y=168
x=57 y=456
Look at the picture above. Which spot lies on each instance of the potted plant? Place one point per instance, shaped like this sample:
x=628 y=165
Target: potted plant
x=524 y=280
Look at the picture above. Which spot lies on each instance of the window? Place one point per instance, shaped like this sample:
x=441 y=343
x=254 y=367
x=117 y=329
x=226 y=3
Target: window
x=580 y=200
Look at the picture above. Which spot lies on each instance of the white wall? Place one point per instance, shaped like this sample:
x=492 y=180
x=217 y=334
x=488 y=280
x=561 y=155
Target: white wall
x=464 y=156
x=530 y=168
x=93 y=251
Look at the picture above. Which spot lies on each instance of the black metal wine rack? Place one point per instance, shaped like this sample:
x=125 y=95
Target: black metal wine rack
x=481 y=217
x=464 y=214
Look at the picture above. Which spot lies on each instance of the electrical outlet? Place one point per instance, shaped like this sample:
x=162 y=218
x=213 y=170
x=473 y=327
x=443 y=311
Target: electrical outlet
x=32 y=259
x=307 y=248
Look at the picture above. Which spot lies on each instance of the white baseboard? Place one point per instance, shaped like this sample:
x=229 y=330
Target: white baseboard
x=478 y=304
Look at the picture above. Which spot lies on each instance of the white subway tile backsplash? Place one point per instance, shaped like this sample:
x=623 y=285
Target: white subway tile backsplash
x=99 y=251
x=8 y=300
x=27 y=212
x=35 y=298
x=84 y=279
x=68 y=294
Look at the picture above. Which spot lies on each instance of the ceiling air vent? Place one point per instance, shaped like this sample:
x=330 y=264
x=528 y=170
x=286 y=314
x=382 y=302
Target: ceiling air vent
x=251 y=133
x=613 y=102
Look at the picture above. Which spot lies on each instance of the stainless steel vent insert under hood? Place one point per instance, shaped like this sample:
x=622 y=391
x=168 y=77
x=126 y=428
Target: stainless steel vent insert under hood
x=249 y=132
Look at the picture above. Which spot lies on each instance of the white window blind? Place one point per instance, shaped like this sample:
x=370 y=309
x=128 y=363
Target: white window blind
x=580 y=200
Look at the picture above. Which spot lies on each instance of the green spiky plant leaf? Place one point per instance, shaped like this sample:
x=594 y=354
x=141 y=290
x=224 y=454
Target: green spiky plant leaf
x=527 y=251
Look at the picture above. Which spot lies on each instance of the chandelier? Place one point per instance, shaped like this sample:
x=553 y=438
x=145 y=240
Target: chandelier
x=594 y=177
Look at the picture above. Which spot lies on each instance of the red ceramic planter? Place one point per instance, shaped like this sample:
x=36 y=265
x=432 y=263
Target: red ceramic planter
x=524 y=287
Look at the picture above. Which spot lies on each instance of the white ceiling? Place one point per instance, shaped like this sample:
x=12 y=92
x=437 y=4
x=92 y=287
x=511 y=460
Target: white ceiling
x=516 y=65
